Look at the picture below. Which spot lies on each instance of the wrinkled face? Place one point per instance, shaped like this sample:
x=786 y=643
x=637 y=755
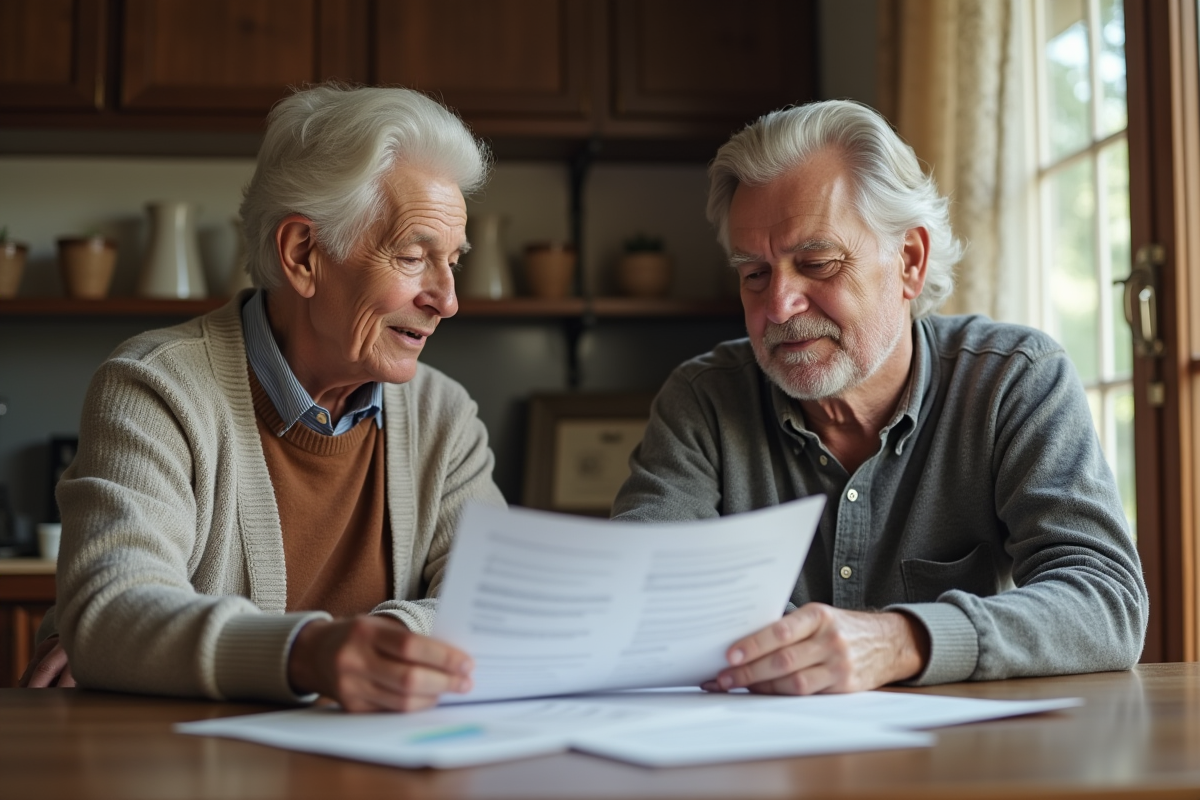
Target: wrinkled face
x=825 y=305
x=374 y=311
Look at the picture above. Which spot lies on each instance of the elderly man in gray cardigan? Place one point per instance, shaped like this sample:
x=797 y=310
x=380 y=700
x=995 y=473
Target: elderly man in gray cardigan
x=264 y=498
x=973 y=529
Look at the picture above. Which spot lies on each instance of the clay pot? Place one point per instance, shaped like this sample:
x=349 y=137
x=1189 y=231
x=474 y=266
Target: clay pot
x=644 y=274
x=549 y=270
x=87 y=265
x=12 y=264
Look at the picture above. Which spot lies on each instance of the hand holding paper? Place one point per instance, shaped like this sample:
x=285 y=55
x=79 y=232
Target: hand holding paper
x=819 y=648
x=374 y=663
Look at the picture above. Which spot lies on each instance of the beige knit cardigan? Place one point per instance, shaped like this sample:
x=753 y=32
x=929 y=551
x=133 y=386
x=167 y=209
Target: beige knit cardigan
x=171 y=575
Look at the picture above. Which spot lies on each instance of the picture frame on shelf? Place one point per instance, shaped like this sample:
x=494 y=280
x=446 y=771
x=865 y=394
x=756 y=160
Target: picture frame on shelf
x=578 y=449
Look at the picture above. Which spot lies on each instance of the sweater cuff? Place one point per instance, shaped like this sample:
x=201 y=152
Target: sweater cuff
x=953 y=642
x=252 y=656
x=416 y=615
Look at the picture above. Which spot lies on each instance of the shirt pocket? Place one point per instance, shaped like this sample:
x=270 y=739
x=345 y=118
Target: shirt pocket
x=925 y=581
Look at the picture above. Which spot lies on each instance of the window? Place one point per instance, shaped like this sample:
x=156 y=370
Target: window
x=1082 y=193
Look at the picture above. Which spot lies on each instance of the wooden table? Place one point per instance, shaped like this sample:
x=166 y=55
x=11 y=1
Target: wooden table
x=1137 y=736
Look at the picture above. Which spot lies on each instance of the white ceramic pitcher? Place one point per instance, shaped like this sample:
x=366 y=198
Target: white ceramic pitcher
x=485 y=271
x=172 y=267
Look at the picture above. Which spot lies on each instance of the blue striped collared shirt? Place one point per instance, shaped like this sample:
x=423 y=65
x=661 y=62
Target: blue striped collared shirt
x=290 y=399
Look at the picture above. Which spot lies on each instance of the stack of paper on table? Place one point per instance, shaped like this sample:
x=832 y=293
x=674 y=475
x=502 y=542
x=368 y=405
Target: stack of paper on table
x=553 y=605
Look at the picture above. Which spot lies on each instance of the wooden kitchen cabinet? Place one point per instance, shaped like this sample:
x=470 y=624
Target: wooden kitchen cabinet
x=623 y=68
x=26 y=593
x=569 y=70
x=52 y=55
x=710 y=61
x=497 y=61
x=226 y=56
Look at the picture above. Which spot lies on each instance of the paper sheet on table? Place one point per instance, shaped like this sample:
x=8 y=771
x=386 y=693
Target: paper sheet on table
x=894 y=710
x=481 y=733
x=727 y=734
x=550 y=604
x=441 y=737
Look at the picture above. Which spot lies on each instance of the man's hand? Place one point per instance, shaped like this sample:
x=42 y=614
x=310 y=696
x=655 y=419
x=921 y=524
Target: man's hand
x=48 y=667
x=374 y=663
x=818 y=648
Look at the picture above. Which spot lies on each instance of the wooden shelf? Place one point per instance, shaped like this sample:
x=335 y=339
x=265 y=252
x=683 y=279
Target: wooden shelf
x=512 y=308
x=517 y=307
x=665 y=307
x=108 y=307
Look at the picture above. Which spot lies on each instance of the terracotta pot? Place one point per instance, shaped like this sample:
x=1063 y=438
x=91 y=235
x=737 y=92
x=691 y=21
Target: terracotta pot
x=12 y=264
x=644 y=274
x=549 y=270
x=87 y=265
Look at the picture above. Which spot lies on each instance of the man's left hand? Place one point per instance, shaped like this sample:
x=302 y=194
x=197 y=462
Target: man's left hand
x=818 y=648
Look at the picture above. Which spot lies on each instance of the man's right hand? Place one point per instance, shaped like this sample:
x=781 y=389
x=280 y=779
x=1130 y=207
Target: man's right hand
x=374 y=663
x=48 y=667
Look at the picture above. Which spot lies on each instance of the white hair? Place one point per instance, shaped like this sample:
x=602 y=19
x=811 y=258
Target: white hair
x=892 y=193
x=325 y=154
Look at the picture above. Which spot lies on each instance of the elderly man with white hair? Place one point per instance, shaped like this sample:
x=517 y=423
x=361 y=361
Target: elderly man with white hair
x=973 y=528
x=264 y=498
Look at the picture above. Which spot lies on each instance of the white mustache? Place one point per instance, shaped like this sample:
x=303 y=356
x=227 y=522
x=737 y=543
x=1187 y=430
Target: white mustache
x=800 y=328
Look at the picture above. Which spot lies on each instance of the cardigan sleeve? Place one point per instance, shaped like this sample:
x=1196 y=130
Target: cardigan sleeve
x=141 y=529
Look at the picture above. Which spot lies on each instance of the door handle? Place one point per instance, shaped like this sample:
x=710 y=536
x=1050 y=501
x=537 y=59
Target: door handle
x=1141 y=300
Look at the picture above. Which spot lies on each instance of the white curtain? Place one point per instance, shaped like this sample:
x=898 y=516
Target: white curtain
x=953 y=81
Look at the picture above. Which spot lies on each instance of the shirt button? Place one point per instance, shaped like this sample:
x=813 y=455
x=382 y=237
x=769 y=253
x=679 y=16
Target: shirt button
x=845 y=572
x=824 y=461
x=321 y=418
x=852 y=495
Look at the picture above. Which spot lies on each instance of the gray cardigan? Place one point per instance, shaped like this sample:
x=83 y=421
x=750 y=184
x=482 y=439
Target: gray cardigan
x=171 y=576
x=988 y=512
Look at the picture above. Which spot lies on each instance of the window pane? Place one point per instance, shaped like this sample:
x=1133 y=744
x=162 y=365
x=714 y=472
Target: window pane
x=1068 y=80
x=1121 y=451
x=1095 y=405
x=1110 y=64
x=1073 y=293
x=1114 y=171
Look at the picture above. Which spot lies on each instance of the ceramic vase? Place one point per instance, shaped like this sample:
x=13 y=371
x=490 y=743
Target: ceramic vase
x=485 y=269
x=172 y=267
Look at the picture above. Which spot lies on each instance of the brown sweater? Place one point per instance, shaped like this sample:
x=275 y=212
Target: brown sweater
x=332 y=509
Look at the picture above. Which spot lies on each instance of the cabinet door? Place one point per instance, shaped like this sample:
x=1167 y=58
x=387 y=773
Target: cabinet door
x=219 y=55
x=489 y=59
x=24 y=600
x=52 y=54
x=711 y=59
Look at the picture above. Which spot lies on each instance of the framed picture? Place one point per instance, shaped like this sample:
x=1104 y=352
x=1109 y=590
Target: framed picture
x=578 y=449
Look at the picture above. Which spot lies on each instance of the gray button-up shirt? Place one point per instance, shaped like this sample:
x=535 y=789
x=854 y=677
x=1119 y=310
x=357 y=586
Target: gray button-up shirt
x=988 y=512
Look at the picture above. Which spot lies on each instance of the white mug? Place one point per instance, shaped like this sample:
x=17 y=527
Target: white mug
x=49 y=534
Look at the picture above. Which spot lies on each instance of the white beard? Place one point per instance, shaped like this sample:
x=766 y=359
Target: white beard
x=858 y=354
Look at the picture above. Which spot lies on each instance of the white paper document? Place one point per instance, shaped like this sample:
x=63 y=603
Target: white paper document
x=548 y=604
x=654 y=728
x=908 y=711
x=481 y=733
